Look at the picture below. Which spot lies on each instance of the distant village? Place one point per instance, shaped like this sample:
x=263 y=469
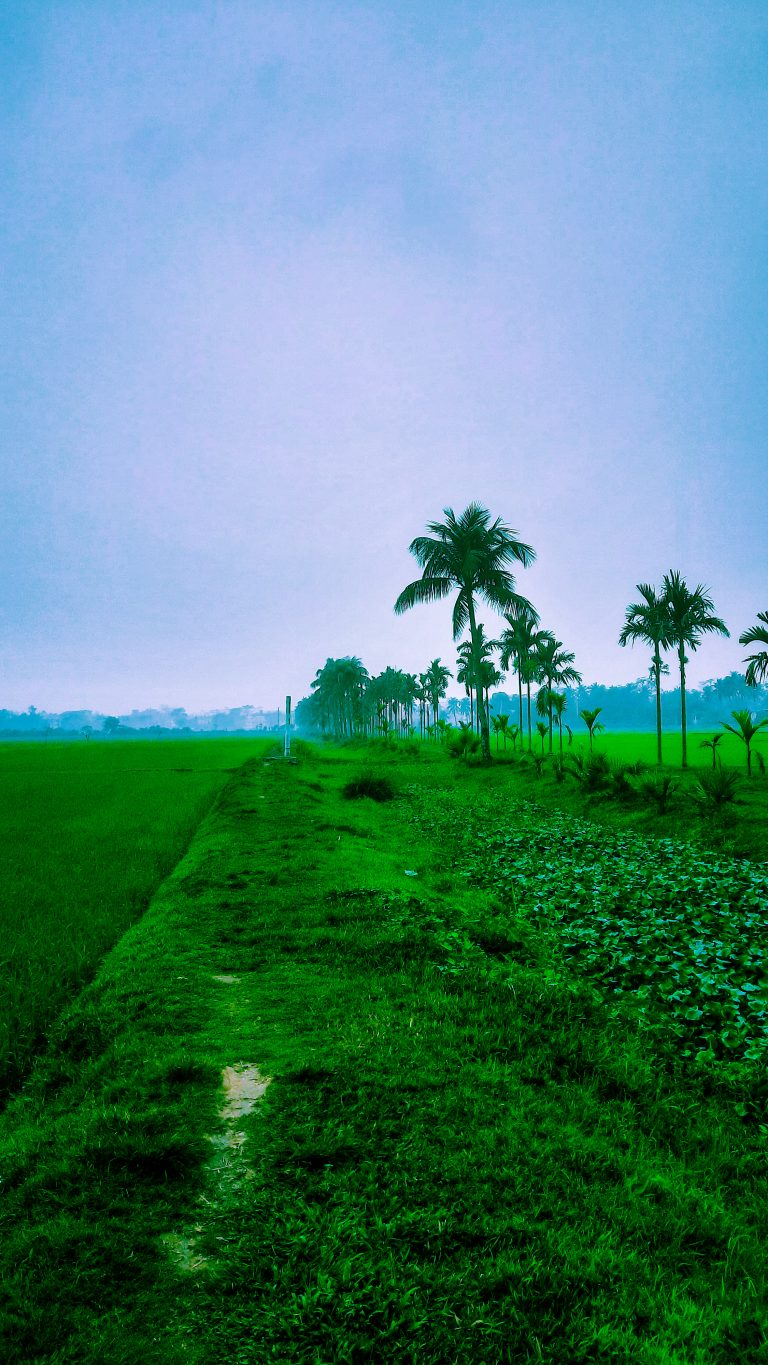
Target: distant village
x=153 y=720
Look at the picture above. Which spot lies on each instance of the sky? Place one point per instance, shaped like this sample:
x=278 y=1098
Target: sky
x=281 y=281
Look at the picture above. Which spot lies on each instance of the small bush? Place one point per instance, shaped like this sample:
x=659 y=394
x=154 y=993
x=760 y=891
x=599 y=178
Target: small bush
x=377 y=788
x=620 y=779
x=463 y=742
x=657 y=792
x=716 y=789
x=593 y=773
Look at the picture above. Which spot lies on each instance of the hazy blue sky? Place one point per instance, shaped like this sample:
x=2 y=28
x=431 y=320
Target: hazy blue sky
x=280 y=281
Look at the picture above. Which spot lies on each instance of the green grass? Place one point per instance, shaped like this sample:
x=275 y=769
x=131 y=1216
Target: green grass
x=89 y=830
x=472 y=1148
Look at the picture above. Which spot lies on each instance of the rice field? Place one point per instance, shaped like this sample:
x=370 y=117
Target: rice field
x=88 y=831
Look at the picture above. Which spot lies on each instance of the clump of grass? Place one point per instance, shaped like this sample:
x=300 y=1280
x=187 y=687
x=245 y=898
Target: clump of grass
x=377 y=788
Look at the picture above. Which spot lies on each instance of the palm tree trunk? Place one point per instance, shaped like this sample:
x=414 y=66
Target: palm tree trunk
x=657 y=671
x=530 y=739
x=683 y=730
x=520 y=695
x=485 y=738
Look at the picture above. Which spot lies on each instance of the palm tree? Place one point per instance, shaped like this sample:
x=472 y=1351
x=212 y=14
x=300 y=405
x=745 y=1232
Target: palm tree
x=592 y=723
x=690 y=615
x=464 y=675
x=469 y=553
x=712 y=744
x=746 y=731
x=518 y=640
x=648 y=622
x=758 y=663
x=553 y=664
x=438 y=677
x=541 y=729
x=558 y=703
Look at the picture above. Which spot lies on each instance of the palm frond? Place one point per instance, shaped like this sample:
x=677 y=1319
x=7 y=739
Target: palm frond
x=423 y=590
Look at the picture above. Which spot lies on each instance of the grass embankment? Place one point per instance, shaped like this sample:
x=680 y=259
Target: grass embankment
x=468 y=1151
x=88 y=831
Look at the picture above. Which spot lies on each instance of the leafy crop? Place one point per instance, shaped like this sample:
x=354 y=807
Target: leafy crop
x=679 y=934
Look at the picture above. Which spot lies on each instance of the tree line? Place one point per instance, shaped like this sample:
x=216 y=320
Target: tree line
x=469 y=558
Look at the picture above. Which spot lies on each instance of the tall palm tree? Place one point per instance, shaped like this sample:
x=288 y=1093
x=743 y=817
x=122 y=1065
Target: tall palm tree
x=690 y=615
x=465 y=675
x=518 y=642
x=558 y=702
x=758 y=663
x=438 y=677
x=468 y=553
x=648 y=622
x=553 y=664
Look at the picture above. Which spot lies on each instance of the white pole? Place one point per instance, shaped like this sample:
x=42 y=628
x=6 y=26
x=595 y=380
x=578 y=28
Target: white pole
x=287 y=727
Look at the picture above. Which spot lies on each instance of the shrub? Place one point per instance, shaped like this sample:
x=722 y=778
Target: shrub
x=716 y=789
x=592 y=773
x=463 y=742
x=658 y=792
x=377 y=788
x=620 y=779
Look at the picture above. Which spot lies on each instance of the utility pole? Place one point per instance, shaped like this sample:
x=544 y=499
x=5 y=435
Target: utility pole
x=287 y=753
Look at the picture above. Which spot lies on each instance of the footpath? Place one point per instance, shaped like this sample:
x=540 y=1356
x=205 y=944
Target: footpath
x=325 y=1104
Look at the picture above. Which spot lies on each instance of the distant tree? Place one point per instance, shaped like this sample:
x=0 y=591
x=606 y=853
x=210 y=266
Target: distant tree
x=468 y=553
x=502 y=724
x=745 y=729
x=553 y=664
x=648 y=621
x=758 y=663
x=593 y=725
x=437 y=679
x=690 y=615
x=558 y=703
x=110 y=725
x=86 y=732
x=518 y=643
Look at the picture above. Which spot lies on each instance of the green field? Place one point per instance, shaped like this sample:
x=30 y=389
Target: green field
x=88 y=832
x=627 y=746
x=508 y=1069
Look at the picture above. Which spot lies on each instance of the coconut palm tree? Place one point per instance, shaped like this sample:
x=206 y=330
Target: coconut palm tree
x=468 y=553
x=690 y=615
x=758 y=663
x=648 y=622
x=553 y=664
x=746 y=731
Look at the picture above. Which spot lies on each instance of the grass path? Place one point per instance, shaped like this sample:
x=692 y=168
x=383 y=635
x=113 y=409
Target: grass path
x=301 y=1117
